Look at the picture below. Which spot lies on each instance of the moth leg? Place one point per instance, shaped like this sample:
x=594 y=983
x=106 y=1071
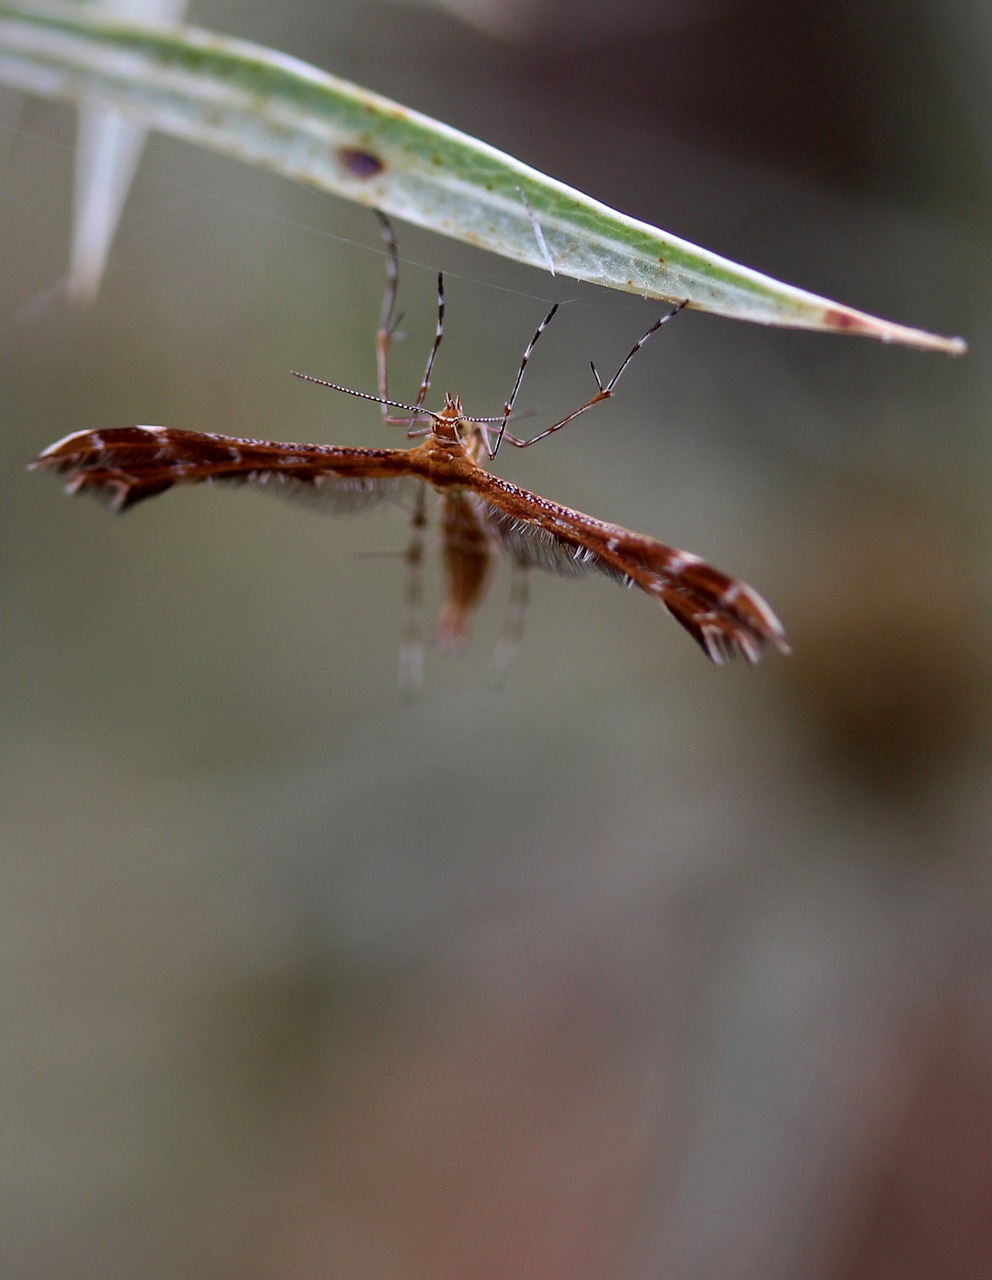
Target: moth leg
x=603 y=390
x=425 y=384
x=388 y=322
x=388 y=325
x=512 y=398
x=412 y=651
x=508 y=645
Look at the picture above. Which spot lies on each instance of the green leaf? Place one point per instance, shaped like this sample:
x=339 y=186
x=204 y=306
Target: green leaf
x=272 y=110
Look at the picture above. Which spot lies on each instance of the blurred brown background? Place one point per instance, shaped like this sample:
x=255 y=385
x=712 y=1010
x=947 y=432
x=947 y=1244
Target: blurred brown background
x=635 y=969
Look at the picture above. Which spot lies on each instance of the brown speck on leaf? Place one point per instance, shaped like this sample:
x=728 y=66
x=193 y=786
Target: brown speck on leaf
x=844 y=322
x=360 y=164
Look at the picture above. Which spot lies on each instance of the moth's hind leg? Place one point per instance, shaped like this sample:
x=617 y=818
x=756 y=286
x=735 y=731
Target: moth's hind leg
x=508 y=645
x=387 y=331
x=388 y=320
x=412 y=652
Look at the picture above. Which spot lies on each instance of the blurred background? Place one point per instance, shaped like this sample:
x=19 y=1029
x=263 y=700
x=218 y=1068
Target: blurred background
x=634 y=969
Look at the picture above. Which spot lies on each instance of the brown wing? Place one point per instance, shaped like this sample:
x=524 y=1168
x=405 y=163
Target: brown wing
x=127 y=464
x=724 y=616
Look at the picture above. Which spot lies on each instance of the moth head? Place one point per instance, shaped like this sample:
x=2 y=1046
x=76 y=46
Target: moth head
x=451 y=425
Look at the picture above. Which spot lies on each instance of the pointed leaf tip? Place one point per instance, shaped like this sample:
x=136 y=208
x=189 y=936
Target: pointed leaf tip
x=846 y=320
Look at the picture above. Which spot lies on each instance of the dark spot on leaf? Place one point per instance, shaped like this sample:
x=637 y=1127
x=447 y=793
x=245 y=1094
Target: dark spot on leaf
x=845 y=323
x=360 y=164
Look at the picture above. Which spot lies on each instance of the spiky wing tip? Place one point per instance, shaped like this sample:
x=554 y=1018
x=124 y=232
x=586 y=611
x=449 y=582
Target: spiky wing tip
x=767 y=622
x=726 y=618
x=81 y=448
x=85 y=457
x=760 y=625
x=55 y=454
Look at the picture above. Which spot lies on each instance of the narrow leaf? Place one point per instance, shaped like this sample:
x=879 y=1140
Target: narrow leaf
x=273 y=110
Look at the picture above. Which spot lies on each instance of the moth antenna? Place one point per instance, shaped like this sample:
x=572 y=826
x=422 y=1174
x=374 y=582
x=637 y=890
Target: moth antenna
x=418 y=410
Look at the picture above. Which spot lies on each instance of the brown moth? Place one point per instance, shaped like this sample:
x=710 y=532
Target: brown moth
x=480 y=515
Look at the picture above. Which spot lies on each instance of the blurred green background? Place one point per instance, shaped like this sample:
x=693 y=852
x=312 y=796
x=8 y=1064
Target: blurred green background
x=633 y=969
